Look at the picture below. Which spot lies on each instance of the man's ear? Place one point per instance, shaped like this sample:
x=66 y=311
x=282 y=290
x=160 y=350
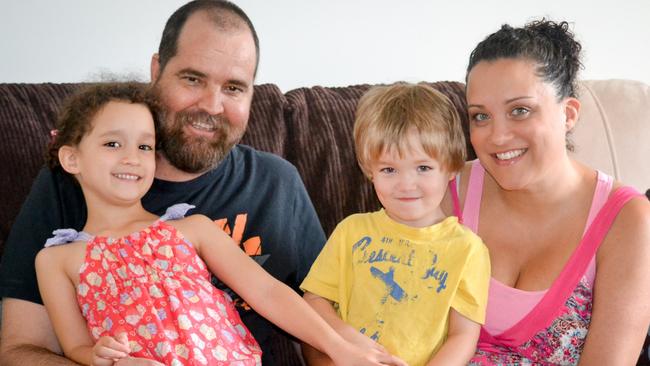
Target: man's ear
x=68 y=159
x=571 y=113
x=154 y=68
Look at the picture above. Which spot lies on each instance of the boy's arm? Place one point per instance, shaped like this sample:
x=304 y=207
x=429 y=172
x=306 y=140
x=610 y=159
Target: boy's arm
x=314 y=357
x=461 y=341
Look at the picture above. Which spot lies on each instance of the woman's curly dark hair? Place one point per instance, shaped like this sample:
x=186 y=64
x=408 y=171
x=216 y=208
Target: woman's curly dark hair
x=76 y=115
x=550 y=45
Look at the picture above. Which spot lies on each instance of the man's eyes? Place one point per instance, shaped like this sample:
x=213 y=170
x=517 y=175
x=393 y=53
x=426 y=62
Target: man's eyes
x=235 y=89
x=190 y=79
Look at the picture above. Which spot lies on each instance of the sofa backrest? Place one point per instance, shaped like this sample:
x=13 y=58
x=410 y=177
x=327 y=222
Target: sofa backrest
x=613 y=132
x=321 y=146
x=27 y=114
x=310 y=127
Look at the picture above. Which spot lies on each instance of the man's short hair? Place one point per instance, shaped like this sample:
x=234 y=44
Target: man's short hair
x=225 y=15
x=386 y=114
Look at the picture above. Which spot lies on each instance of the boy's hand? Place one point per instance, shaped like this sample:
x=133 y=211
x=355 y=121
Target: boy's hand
x=109 y=349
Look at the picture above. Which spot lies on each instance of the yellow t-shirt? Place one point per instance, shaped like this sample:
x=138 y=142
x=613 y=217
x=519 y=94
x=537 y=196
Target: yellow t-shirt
x=396 y=283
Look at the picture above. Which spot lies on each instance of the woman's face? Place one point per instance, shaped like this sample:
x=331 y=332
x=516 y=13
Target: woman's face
x=517 y=125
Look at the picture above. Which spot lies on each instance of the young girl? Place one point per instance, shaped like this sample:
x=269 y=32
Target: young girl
x=133 y=284
x=407 y=277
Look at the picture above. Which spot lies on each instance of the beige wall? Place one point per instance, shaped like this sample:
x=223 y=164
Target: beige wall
x=315 y=41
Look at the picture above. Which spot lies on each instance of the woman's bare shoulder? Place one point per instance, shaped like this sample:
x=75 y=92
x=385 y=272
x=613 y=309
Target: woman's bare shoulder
x=629 y=235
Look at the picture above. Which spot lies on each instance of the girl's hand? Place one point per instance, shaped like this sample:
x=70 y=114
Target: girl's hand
x=361 y=340
x=108 y=349
x=353 y=355
x=133 y=361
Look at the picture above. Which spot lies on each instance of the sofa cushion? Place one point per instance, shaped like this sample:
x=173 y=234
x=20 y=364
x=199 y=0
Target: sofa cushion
x=613 y=130
x=28 y=112
x=267 y=130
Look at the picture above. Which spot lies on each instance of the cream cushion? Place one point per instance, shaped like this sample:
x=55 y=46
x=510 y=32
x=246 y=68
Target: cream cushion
x=613 y=131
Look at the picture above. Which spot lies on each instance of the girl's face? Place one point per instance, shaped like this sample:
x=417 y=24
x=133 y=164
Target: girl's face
x=115 y=161
x=410 y=187
x=517 y=126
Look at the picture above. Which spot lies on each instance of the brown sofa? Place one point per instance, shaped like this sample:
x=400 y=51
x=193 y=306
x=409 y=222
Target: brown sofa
x=312 y=128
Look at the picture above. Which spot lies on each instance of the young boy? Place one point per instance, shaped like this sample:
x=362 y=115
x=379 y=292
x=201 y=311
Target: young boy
x=406 y=277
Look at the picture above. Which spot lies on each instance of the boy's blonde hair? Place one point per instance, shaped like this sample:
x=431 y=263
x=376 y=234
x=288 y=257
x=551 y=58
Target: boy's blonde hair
x=386 y=114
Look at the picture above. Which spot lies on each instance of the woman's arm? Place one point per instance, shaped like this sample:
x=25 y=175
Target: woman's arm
x=460 y=345
x=59 y=297
x=621 y=308
x=270 y=297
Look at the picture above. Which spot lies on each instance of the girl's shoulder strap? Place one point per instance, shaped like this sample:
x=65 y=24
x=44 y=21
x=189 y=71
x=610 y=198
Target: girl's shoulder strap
x=64 y=236
x=176 y=211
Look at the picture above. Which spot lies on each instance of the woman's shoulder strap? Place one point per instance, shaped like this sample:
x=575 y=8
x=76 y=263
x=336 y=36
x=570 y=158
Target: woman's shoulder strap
x=473 y=196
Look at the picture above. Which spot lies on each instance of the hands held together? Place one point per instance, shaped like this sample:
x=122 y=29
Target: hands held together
x=109 y=351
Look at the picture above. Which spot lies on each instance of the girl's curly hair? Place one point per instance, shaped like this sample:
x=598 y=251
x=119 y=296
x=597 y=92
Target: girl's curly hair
x=75 y=118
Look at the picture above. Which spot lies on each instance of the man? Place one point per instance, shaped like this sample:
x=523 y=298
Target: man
x=204 y=73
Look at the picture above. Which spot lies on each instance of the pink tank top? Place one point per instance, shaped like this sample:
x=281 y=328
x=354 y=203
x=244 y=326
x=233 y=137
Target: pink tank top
x=508 y=305
x=555 y=322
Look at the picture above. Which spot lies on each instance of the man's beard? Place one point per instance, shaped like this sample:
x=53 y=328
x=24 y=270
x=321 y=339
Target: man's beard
x=191 y=153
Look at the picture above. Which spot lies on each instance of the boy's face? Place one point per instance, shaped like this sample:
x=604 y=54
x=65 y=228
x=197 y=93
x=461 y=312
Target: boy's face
x=410 y=187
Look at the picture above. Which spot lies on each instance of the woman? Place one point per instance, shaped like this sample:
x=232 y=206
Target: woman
x=569 y=247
